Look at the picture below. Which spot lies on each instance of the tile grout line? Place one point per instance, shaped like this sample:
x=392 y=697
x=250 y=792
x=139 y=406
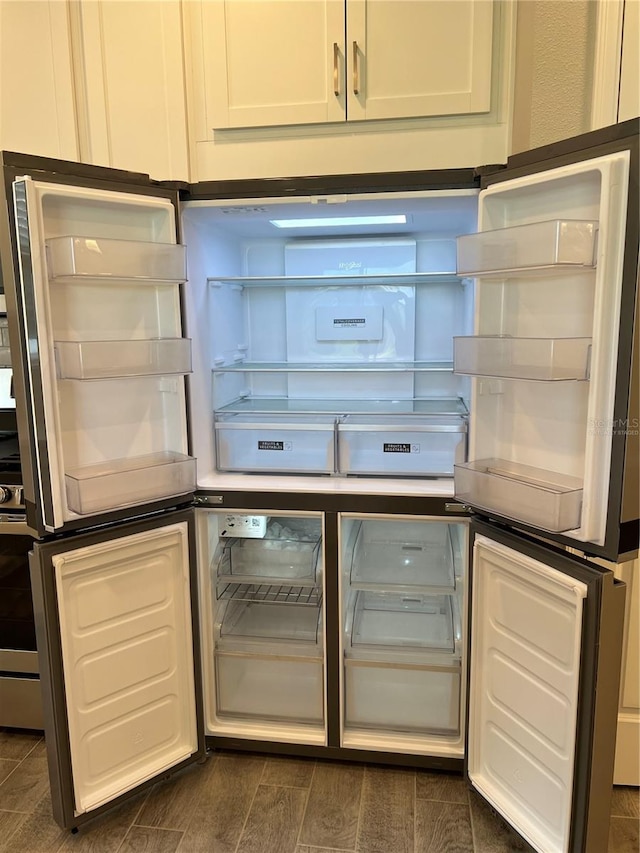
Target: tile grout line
x=246 y=817
x=364 y=772
x=306 y=803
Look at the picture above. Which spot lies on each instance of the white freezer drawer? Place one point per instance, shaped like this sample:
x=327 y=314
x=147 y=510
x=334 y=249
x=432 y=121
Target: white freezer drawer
x=397 y=697
x=554 y=244
x=263 y=443
x=73 y=257
x=269 y=688
x=400 y=445
x=298 y=624
x=402 y=621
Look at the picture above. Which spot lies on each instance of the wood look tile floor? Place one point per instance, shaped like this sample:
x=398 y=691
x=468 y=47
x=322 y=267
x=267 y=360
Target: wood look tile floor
x=246 y=803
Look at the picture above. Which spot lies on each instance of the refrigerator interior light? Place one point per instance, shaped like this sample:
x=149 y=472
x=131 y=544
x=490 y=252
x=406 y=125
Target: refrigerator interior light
x=337 y=221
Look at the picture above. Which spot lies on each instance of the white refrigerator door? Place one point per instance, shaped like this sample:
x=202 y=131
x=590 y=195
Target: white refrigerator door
x=548 y=263
x=545 y=662
x=105 y=358
x=115 y=629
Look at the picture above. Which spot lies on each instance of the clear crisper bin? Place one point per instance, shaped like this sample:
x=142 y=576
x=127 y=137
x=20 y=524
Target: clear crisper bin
x=406 y=445
x=399 y=697
x=541 y=498
x=116 y=359
x=405 y=554
x=402 y=620
x=269 y=688
x=289 y=444
x=547 y=359
x=124 y=482
x=275 y=623
x=538 y=245
x=289 y=551
x=100 y=257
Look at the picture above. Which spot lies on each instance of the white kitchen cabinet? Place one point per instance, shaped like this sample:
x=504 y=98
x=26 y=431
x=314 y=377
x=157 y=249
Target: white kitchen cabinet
x=312 y=61
x=37 y=110
x=130 y=86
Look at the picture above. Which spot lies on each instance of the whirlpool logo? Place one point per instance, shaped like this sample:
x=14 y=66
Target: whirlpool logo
x=350 y=265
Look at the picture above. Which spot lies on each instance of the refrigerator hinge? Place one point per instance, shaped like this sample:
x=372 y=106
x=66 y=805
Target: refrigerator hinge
x=208 y=500
x=459 y=509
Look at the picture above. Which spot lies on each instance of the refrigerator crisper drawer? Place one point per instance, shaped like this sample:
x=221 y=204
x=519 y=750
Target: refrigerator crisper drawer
x=401 y=697
x=544 y=359
x=555 y=244
x=274 y=623
x=263 y=443
x=269 y=688
x=403 y=620
x=541 y=498
x=125 y=482
x=410 y=555
x=101 y=257
x=270 y=559
x=119 y=359
x=413 y=446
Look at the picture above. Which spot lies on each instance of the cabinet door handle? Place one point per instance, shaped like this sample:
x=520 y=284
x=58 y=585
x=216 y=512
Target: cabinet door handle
x=356 y=76
x=336 y=69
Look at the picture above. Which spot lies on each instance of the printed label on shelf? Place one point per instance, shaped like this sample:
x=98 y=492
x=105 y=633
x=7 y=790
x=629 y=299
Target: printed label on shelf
x=275 y=445
x=401 y=448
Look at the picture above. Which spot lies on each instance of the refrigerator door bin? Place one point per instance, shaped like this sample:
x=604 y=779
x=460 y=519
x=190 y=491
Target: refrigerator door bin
x=412 y=556
x=293 y=444
x=537 y=246
x=402 y=697
x=272 y=559
x=269 y=688
x=405 y=445
x=119 y=359
x=126 y=482
x=545 y=359
x=541 y=498
x=402 y=620
x=286 y=624
x=84 y=257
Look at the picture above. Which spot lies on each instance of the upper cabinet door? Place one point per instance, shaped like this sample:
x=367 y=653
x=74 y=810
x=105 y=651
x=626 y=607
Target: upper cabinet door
x=418 y=59
x=117 y=641
x=97 y=299
x=37 y=111
x=546 y=639
x=274 y=63
x=555 y=263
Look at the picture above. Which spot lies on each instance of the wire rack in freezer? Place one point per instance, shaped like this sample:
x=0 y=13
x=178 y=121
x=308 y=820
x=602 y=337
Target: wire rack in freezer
x=273 y=594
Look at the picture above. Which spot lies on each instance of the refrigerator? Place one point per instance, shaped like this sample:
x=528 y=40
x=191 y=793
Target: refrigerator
x=309 y=460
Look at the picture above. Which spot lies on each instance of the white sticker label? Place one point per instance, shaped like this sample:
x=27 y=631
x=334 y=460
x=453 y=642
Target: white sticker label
x=349 y=323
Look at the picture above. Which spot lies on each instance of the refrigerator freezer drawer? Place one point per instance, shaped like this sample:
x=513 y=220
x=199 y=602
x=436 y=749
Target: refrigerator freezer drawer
x=550 y=245
x=74 y=257
x=126 y=482
x=260 y=443
x=116 y=359
x=274 y=623
x=545 y=359
x=269 y=688
x=541 y=498
x=407 y=555
x=403 y=621
x=424 y=447
x=394 y=697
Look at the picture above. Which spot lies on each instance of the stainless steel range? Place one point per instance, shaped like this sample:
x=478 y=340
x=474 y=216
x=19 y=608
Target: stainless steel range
x=20 y=701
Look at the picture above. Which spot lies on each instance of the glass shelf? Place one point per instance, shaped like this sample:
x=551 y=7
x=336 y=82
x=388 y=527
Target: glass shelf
x=134 y=480
x=119 y=359
x=396 y=279
x=287 y=405
x=72 y=258
x=405 y=555
x=550 y=246
x=337 y=367
x=544 y=499
x=543 y=359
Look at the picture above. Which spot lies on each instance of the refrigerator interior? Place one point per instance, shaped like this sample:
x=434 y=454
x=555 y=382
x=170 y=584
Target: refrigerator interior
x=107 y=276
x=324 y=355
x=548 y=268
x=262 y=625
x=403 y=606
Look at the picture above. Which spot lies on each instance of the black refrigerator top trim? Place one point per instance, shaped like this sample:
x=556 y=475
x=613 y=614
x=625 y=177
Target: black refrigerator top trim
x=367 y=182
x=601 y=136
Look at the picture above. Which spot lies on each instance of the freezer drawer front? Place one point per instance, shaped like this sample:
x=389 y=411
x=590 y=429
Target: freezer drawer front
x=116 y=621
x=538 y=747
